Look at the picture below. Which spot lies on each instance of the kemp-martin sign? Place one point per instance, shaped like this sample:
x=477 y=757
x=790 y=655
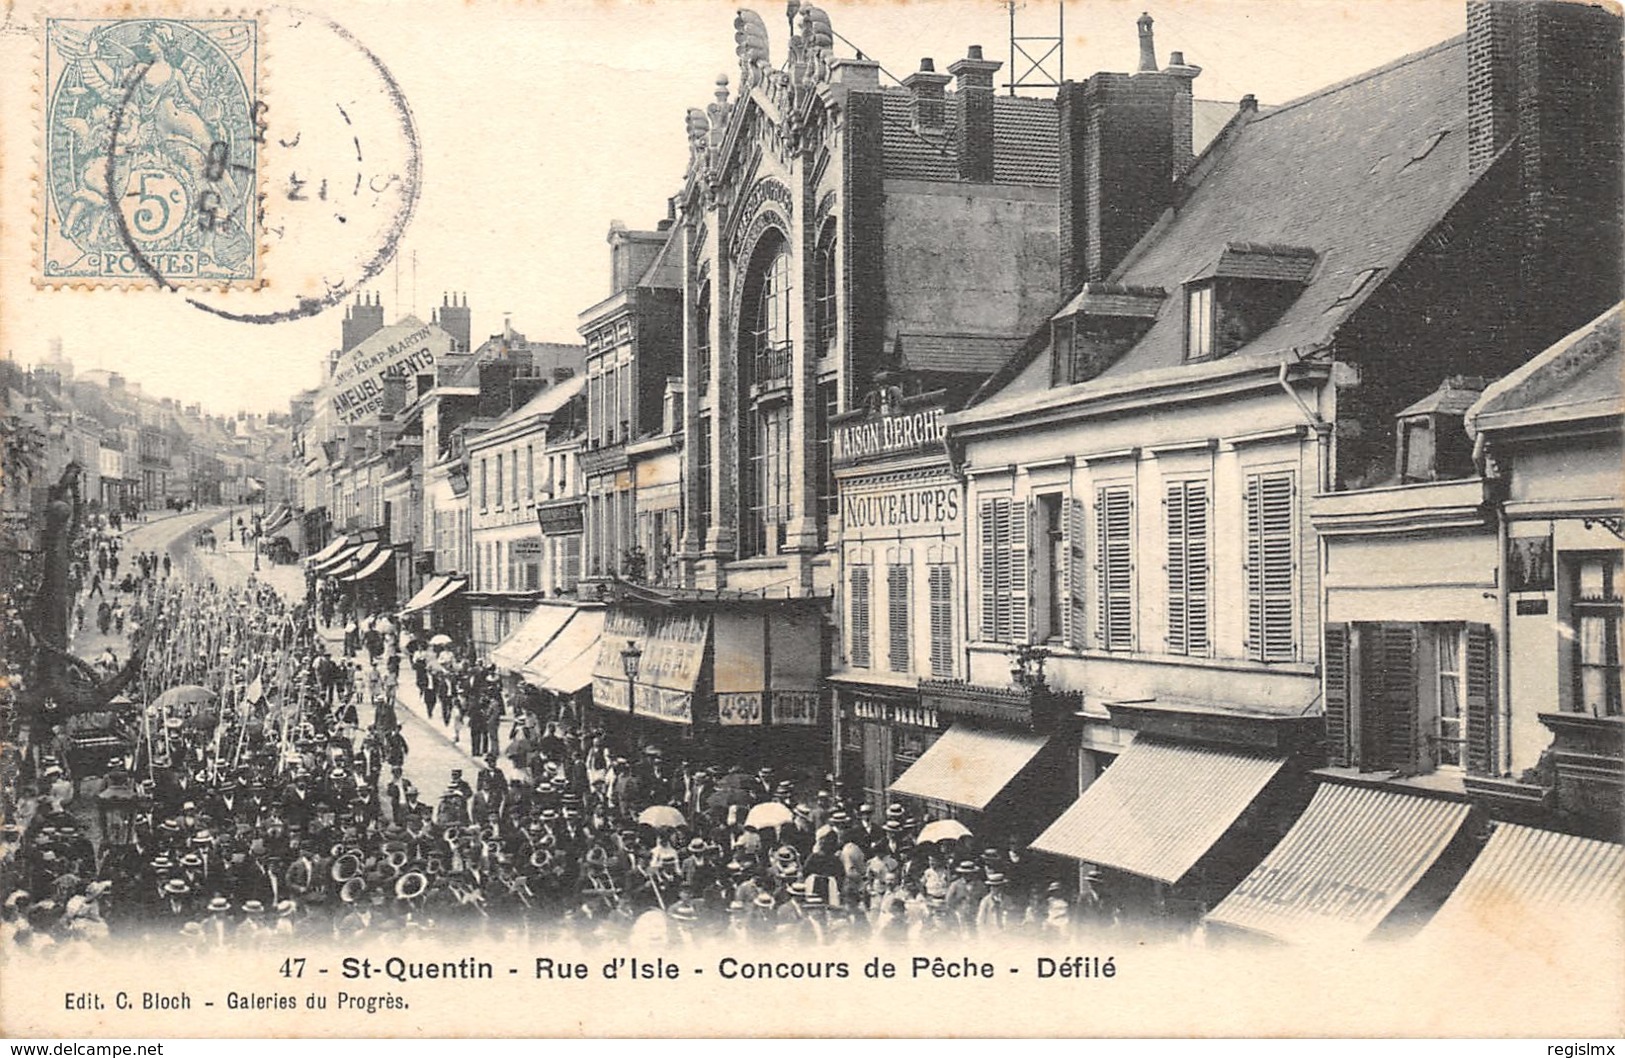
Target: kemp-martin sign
x=883 y=435
x=402 y=350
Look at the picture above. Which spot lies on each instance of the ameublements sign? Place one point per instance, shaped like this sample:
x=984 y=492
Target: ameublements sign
x=888 y=435
x=403 y=350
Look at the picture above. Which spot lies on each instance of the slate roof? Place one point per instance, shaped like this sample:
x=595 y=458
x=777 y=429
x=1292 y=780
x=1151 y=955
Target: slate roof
x=1580 y=377
x=1356 y=172
x=956 y=353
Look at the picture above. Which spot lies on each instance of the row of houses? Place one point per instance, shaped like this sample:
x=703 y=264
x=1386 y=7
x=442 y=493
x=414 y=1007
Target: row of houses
x=135 y=451
x=1220 y=494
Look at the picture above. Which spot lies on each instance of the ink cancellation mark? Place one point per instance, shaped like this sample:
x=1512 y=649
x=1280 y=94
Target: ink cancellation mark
x=152 y=135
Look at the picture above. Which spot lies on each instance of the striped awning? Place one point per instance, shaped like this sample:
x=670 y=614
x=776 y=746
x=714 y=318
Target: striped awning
x=969 y=766
x=1345 y=864
x=281 y=517
x=453 y=585
x=425 y=595
x=1159 y=807
x=533 y=633
x=1529 y=882
x=333 y=548
x=565 y=665
x=377 y=562
x=348 y=561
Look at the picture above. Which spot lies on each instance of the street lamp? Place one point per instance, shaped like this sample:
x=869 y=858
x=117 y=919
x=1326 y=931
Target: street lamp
x=631 y=658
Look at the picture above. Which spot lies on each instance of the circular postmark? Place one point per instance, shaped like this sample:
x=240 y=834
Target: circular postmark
x=312 y=180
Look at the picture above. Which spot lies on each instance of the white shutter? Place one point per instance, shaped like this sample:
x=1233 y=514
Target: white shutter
x=1001 y=571
x=1187 y=517
x=1114 y=519
x=1020 y=558
x=1178 y=581
x=1073 y=555
x=1270 y=567
x=989 y=557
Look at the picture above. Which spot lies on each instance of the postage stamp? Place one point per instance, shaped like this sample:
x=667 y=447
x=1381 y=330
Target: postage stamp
x=152 y=139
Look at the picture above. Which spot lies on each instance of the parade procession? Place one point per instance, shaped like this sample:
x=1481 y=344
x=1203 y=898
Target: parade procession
x=973 y=510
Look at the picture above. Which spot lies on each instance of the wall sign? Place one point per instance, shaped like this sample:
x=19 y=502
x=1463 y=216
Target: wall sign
x=889 y=435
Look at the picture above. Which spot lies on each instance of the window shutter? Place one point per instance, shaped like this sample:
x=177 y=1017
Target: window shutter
x=1479 y=642
x=1178 y=578
x=1336 y=663
x=942 y=620
x=1402 y=734
x=1270 y=567
x=1001 y=571
x=990 y=586
x=1019 y=558
x=1114 y=509
x=859 y=655
x=1077 y=572
x=897 y=624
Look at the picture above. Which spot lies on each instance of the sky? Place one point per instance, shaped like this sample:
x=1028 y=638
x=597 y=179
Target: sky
x=540 y=123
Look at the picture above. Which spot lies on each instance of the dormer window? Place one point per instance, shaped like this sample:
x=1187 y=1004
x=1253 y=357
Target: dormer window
x=1199 y=321
x=1431 y=440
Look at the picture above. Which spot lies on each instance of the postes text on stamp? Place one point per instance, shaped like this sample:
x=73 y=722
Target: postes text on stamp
x=151 y=152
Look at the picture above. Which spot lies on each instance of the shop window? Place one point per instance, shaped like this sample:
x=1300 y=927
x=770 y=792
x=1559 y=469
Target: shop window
x=1594 y=614
x=1410 y=698
x=1114 y=564
x=1270 y=565
x=1187 y=518
x=897 y=617
x=1004 y=558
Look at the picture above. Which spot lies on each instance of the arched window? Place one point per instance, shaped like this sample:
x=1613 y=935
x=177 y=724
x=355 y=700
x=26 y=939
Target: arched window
x=825 y=284
x=764 y=435
x=702 y=336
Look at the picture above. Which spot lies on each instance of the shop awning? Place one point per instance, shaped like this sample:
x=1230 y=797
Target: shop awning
x=1345 y=864
x=1529 y=882
x=969 y=766
x=565 y=664
x=533 y=633
x=1159 y=807
x=673 y=649
x=347 y=562
x=452 y=586
x=377 y=562
x=425 y=595
x=333 y=548
x=282 y=517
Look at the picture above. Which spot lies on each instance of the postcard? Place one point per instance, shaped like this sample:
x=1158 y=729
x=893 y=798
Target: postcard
x=862 y=518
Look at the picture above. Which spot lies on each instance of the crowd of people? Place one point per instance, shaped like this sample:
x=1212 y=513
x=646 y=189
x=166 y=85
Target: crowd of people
x=265 y=797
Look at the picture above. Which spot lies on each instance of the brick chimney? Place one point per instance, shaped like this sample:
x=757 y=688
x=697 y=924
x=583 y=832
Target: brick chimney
x=455 y=319
x=1546 y=79
x=1118 y=162
x=521 y=389
x=928 y=87
x=362 y=320
x=1184 y=74
x=496 y=381
x=973 y=138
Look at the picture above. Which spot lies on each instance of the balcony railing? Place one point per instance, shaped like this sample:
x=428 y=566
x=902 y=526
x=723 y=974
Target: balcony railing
x=773 y=362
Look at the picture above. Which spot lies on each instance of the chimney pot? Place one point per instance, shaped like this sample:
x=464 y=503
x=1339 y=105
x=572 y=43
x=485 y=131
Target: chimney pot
x=974 y=52
x=1176 y=58
x=1249 y=103
x=927 y=65
x=1148 y=47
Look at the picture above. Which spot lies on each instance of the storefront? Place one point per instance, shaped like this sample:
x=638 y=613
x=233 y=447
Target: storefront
x=559 y=677
x=439 y=604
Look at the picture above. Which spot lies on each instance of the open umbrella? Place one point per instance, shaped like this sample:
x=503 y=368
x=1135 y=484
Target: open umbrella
x=768 y=814
x=720 y=800
x=441 y=640
x=942 y=830
x=187 y=694
x=662 y=817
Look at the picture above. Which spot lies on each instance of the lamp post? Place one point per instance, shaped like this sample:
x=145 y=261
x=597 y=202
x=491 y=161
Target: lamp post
x=631 y=658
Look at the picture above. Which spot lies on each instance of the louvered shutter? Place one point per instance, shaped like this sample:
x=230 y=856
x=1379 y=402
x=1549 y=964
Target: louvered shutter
x=1269 y=567
x=897 y=630
x=1196 y=567
x=860 y=617
x=1402 y=734
x=942 y=620
x=990 y=587
x=1336 y=663
x=1480 y=680
x=1001 y=571
x=1114 y=547
x=1077 y=573
x=1020 y=558
x=1178 y=581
